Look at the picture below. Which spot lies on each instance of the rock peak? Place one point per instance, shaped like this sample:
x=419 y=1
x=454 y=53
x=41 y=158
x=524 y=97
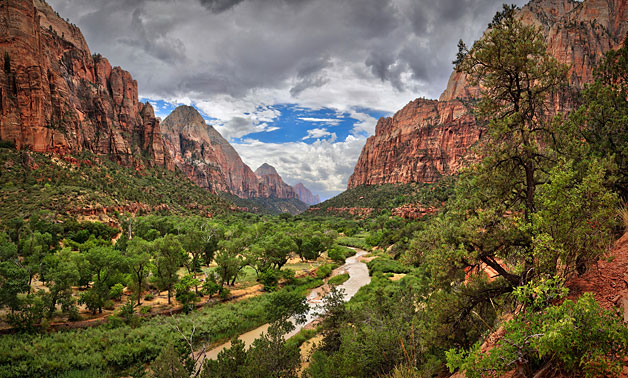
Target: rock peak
x=185 y=114
x=305 y=195
x=266 y=169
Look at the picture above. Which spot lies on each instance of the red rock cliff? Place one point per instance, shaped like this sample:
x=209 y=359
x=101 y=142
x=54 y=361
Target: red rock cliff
x=305 y=195
x=276 y=186
x=56 y=97
x=427 y=138
x=206 y=157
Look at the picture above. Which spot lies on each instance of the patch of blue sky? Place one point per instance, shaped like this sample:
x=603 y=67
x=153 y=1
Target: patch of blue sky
x=299 y=124
x=294 y=123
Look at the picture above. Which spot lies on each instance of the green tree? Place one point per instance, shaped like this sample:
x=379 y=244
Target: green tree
x=62 y=275
x=138 y=259
x=602 y=121
x=169 y=256
x=184 y=294
x=104 y=262
x=168 y=365
x=13 y=276
x=230 y=259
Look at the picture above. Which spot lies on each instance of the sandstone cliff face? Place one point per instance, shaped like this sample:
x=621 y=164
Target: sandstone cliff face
x=428 y=139
x=305 y=195
x=277 y=188
x=206 y=157
x=55 y=97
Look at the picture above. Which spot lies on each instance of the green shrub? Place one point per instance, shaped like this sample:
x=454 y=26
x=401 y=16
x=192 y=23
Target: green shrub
x=339 y=279
x=581 y=338
x=339 y=253
x=325 y=270
x=387 y=265
x=149 y=297
x=116 y=291
x=353 y=242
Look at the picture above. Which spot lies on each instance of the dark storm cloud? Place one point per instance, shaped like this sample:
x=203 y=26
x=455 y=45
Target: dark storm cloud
x=198 y=49
x=218 y=6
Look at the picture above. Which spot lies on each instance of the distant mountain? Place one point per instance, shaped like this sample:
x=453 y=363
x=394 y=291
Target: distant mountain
x=206 y=157
x=277 y=188
x=56 y=97
x=428 y=139
x=306 y=195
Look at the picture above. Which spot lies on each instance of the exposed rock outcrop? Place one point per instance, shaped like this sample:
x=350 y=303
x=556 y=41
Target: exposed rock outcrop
x=277 y=188
x=305 y=195
x=206 y=157
x=55 y=97
x=428 y=139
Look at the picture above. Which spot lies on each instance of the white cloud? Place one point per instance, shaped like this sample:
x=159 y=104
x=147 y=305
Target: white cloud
x=318 y=133
x=329 y=121
x=323 y=166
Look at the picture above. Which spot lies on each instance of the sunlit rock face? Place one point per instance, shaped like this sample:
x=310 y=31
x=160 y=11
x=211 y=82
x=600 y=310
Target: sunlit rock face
x=56 y=97
x=305 y=195
x=206 y=157
x=428 y=139
x=277 y=188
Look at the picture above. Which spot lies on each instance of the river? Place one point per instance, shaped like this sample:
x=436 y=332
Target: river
x=358 y=277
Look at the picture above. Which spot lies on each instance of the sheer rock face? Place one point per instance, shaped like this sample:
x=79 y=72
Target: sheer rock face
x=206 y=157
x=55 y=97
x=428 y=139
x=305 y=195
x=276 y=186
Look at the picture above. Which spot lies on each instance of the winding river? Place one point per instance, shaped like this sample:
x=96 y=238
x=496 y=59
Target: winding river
x=358 y=277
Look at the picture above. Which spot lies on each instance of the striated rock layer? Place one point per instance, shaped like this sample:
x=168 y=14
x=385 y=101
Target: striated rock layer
x=305 y=195
x=428 y=139
x=277 y=188
x=212 y=163
x=55 y=97
x=206 y=157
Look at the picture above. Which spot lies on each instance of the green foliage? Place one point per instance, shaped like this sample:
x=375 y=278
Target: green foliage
x=384 y=198
x=269 y=357
x=185 y=295
x=325 y=270
x=387 y=265
x=340 y=253
x=94 y=182
x=169 y=256
x=355 y=242
x=168 y=365
x=117 y=348
x=576 y=337
x=339 y=279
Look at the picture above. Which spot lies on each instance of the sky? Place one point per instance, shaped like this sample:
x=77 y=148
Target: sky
x=298 y=84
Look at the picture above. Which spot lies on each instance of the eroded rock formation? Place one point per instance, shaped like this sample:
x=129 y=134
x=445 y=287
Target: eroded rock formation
x=55 y=97
x=206 y=157
x=277 y=188
x=428 y=139
x=305 y=195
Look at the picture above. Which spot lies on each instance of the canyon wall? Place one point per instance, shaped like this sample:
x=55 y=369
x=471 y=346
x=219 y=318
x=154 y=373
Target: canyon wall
x=56 y=97
x=428 y=139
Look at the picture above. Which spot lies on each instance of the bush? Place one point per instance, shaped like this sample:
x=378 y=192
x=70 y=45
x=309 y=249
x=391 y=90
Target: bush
x=224 y=293
x=325 y=270
x=387 y=265
x=580 y=338
x=269 y=279
x=116 y=291
x=353 y=242
x=149 y=297
x=339 y=279
x=339 y=253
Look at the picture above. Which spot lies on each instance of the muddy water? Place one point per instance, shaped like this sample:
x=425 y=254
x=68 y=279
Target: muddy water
x=358 y=277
